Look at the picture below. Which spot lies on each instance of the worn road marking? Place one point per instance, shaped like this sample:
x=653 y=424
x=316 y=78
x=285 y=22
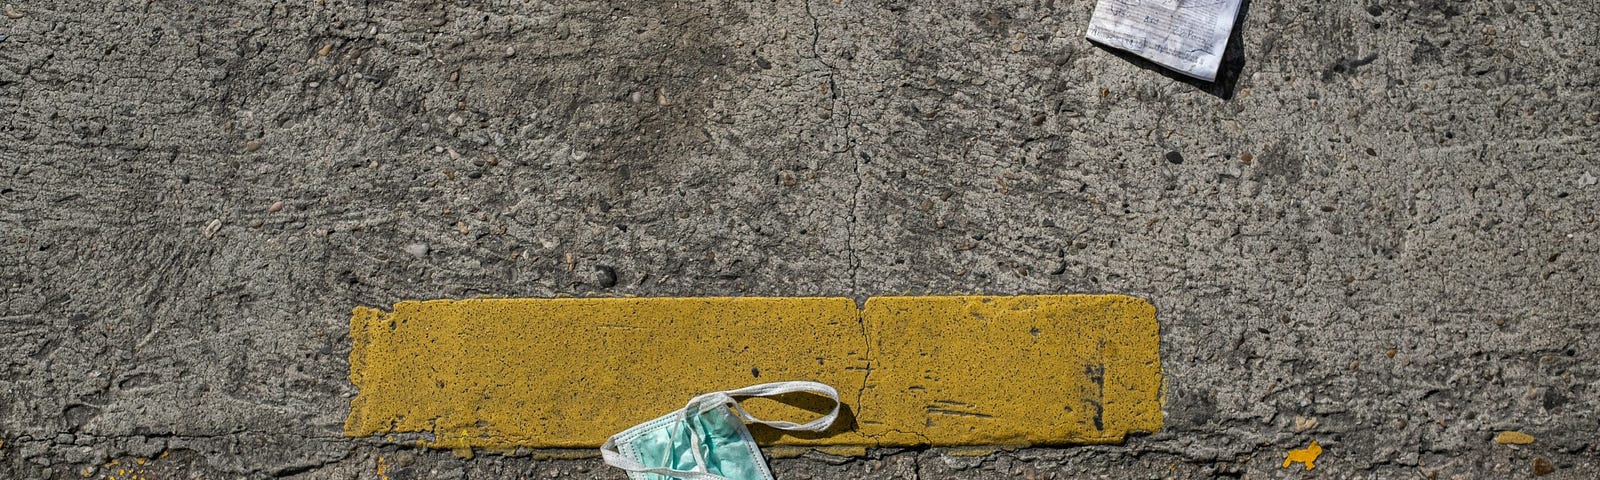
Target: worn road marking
x=941 y=371
x=571 y=372
x=1031 y=370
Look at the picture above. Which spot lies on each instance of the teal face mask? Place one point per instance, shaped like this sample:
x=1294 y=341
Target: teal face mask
x=707 y=439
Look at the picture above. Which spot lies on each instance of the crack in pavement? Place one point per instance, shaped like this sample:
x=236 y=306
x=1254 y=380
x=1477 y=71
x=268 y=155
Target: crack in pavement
x=838 y=102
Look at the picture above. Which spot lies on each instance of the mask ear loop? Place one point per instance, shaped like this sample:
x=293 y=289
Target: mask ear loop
x=695 y=443
x=780 y=388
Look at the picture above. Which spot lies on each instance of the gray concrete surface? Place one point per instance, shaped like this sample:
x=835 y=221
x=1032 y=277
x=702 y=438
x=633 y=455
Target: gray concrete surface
x=1383 y=221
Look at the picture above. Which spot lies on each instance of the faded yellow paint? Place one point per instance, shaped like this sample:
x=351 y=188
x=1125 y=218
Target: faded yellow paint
x=570 y=372
x=1307 y=456
x=1028 y=370
x=913 y=371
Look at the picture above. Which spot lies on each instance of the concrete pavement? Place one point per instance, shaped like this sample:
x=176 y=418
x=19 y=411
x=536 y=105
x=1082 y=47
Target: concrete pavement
x=1378 y=232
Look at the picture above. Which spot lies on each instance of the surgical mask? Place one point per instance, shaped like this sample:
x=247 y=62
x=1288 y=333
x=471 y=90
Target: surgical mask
x=707 y=439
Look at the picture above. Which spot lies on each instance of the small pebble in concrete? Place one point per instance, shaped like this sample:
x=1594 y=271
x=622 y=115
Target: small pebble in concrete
x=418 y=250
x=1302 y=424
x=276 y=207
x=605 y=276
x=252 y=146
x=1542 y=466
x=1174 y=157
x=212 y=228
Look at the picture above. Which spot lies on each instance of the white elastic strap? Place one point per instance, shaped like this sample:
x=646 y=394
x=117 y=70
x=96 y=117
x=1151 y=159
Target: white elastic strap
x=774 y=389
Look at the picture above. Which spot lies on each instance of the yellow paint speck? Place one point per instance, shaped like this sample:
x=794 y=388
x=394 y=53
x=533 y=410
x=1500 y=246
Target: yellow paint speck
x=1513 y=437
x=382 y=467
x=1307 y=455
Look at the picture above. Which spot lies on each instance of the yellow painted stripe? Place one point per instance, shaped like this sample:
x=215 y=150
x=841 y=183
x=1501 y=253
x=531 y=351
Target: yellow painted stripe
x=1032 y=370
x=942 y=371
x=571 y=372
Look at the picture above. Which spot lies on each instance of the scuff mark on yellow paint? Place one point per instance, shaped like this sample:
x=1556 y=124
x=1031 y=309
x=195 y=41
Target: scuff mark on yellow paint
x=551 y=453
x=1307 y=455
x=971 y=451
x=796 y=452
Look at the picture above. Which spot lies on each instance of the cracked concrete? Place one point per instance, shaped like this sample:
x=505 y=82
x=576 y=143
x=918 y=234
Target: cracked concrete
x=1381 y=218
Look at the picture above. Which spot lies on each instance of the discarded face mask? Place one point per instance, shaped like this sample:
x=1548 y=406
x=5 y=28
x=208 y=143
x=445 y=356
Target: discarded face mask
x=707 y=439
